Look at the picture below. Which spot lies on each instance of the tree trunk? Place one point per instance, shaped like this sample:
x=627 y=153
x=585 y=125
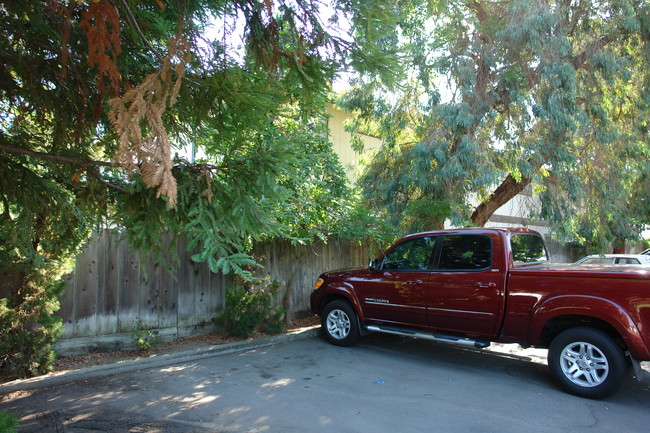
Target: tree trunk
x=618 y=246
x=508 y=189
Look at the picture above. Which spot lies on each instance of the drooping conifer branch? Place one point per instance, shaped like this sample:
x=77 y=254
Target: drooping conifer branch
x=52 y=157
x=144 y=106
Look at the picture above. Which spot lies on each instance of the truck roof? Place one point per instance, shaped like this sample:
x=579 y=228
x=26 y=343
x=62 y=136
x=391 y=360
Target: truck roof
x=509 y=230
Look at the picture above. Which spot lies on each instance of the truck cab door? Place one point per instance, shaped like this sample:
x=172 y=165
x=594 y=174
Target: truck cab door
x=398 y=295
x=465 y=290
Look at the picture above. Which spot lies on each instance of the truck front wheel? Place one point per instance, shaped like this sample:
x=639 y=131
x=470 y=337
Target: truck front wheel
x=587 y=362
x=339 y=323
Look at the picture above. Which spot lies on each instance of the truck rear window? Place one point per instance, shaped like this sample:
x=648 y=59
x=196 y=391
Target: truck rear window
x=528 y=248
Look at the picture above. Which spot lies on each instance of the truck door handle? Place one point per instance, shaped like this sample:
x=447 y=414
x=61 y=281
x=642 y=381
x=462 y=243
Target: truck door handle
x=486 y=285
x=414 y=282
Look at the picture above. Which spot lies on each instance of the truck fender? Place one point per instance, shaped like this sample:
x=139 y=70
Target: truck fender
x=593 y=307
x=347 y=292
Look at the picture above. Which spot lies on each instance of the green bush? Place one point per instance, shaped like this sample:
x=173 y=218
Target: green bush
x=249 y=310
x=28 y=327
x=8 y=423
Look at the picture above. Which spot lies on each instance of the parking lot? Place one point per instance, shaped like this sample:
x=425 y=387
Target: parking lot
x=384 y=384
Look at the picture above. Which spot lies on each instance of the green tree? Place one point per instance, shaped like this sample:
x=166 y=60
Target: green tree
x=99 y=98
x=501 y=95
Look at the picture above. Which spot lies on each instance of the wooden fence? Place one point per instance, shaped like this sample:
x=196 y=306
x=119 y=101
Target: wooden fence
x=114 y=291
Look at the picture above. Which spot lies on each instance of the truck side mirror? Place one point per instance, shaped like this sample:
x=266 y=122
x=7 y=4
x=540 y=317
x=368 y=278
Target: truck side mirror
x=375 y=265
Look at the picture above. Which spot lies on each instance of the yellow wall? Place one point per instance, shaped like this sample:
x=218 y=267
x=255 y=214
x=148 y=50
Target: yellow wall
x=341 y=139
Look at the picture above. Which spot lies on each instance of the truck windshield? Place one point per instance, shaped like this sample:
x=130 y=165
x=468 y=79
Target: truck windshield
x=528 y=248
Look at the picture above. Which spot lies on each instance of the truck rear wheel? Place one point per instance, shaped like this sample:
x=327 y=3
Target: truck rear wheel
x=587 y=362
x=339 y=323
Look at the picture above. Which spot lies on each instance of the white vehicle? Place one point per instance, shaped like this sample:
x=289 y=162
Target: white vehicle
x=616 y=259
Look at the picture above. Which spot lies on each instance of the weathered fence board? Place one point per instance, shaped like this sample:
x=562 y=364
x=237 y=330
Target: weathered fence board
x=128 y=289
x=115 y=291
x=185 y=281
x=110 y=300
x=87 y=285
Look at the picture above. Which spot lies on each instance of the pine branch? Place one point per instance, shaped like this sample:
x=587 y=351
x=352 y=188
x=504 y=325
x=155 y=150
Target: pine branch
x=99 y=179
x=51 y=157
x=134 y=22
x=90 y=162
x=67 y=159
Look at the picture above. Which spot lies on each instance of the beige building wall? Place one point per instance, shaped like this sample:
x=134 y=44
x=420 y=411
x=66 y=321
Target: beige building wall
x=341 y=140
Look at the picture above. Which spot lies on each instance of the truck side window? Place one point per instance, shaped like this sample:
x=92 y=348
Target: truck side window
x=413 y=254
x=466 y=252
x=528 y=249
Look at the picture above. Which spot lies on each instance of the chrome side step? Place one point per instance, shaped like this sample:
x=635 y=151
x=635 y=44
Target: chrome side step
x=442 y=338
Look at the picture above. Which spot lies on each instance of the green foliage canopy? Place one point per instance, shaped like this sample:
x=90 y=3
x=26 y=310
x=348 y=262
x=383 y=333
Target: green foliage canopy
x=97 y=97
x=99 y=102
x=495 y=96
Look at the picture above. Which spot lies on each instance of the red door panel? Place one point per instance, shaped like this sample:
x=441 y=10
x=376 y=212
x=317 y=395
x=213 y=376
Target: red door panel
x=466 y=302
x=399 y=298
x=399 y=295
x=465 y=292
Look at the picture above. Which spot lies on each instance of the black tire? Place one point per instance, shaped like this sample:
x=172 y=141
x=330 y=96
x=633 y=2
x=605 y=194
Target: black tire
x=339 y=323
x=587 y=362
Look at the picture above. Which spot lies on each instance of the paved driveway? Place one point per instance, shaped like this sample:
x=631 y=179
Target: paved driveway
x=384 y=384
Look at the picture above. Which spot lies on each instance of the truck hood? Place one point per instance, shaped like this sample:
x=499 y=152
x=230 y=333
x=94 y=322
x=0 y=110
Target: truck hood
x=338 y=273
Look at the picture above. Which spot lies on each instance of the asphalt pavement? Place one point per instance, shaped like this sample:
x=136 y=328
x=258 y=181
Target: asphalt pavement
x=383 y=384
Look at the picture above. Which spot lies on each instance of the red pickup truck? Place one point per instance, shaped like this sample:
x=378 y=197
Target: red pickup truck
x=475 y=286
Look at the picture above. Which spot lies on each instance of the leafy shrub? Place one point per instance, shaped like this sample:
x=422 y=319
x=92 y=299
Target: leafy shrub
x=8 y=423
x=28 y=327
x=249 y=310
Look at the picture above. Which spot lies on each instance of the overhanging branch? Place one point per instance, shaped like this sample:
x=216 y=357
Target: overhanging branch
x=59 y=158
x=90 y=162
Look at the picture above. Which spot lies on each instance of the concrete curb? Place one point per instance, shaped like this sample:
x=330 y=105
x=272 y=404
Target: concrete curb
x=62 y=378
